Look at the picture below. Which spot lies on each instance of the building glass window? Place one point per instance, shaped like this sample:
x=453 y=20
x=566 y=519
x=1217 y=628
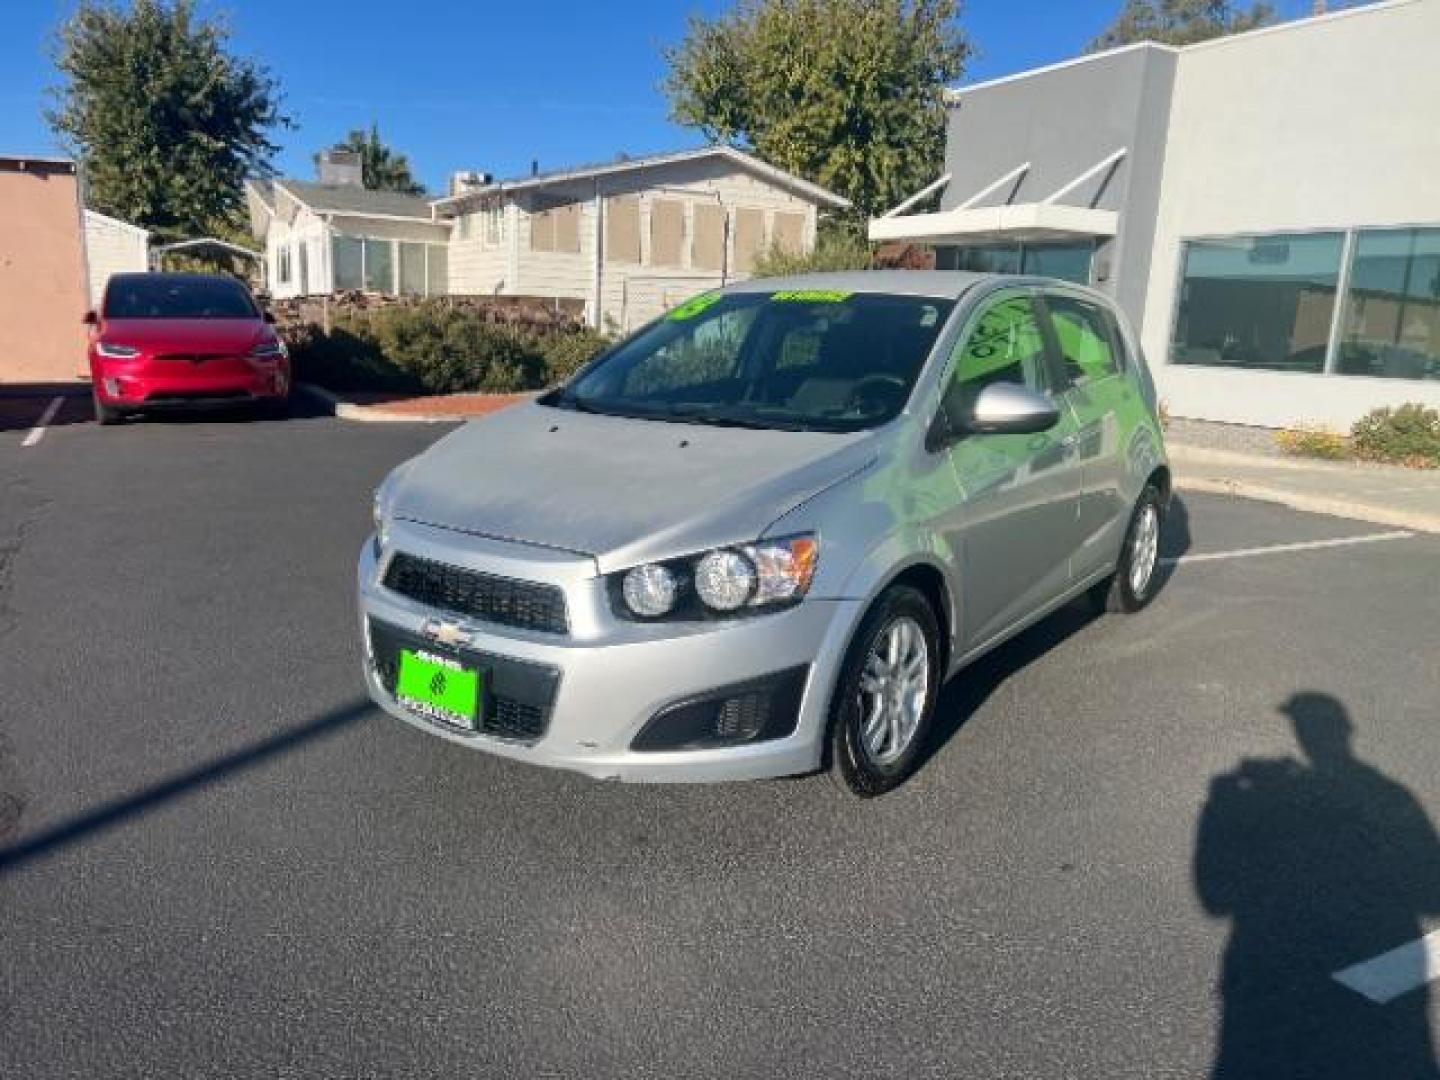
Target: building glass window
x=1392 y=307
x=347 y=258
x=1258 y=301
x=1066 y=261
x=282 y=265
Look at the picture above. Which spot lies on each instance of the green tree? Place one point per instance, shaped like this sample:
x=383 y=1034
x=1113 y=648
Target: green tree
x=1180 y=22
x=846 y=93
x=165 y=121
x=383 y=168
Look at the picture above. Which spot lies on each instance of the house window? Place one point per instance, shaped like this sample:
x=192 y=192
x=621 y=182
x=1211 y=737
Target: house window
x=347 y=258
x=379 y=266
x=282 y=265
x=437 y=270
x=622 y=229
x=1392 y=306
x=494 y=225
x=667 y=232
x=749 y=238
x=709 y=253
x=790 y=233
x=412 y=269
x=556 y=228
x=1258 y=301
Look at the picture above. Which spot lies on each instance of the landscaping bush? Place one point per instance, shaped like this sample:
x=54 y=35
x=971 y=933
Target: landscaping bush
x=1407 y=435
x=1313 y=441
x=836 y=248
x=438 y=349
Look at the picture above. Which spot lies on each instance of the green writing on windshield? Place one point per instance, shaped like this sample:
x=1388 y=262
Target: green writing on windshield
x=811 y=296
x=692 y=307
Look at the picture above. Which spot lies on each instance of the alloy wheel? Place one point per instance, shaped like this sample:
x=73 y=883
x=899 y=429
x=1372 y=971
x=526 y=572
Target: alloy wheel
x=894 y=686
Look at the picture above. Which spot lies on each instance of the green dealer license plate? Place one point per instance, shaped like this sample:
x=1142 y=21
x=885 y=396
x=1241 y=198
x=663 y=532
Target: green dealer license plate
x=440 y=688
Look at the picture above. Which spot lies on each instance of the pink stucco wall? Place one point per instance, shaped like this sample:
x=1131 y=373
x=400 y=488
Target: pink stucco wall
x=42 y=273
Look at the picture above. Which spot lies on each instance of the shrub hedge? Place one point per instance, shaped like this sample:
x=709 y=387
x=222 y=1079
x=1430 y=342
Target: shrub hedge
x=437 y=349
x=1407 y=435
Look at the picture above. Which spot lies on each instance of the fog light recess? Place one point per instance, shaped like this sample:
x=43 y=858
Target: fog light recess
x=748 y=712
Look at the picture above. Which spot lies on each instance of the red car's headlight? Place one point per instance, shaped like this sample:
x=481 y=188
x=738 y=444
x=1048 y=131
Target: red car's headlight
x=112 y=351
x=273 y=349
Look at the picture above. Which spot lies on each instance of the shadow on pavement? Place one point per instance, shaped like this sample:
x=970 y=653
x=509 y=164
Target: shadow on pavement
x=964 y=694
x=120 y=811
x=1318 y=862
x=23 y=405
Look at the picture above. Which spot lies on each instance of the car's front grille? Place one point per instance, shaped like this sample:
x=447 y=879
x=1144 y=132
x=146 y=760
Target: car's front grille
x=522 y=604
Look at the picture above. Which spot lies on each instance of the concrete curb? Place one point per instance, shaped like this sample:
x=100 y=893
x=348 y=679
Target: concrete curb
x=346 y=410
x=1204 y=470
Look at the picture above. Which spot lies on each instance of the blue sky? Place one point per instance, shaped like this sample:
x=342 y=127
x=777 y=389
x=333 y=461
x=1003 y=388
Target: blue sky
x=457 y=84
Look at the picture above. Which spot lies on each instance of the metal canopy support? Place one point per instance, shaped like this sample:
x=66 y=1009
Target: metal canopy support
x=1094 y=170
x=1009 y=178
x=920 y=196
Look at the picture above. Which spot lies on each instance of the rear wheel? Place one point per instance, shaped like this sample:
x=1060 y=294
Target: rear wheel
x=105 y=414
x=1133 y=583
x=885 y=696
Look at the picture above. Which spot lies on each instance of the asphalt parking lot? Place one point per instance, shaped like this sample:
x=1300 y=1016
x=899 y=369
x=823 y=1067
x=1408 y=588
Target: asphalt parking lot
x=1141 y=846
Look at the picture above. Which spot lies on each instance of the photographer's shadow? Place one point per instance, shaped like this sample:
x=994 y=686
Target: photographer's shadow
x=1319 y=863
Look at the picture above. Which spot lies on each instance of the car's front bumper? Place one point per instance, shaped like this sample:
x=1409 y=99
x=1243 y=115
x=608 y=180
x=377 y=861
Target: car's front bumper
x=613 y=676
x=127 y=385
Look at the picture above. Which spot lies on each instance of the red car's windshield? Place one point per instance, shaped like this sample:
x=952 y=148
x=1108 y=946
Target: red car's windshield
x=157 y=296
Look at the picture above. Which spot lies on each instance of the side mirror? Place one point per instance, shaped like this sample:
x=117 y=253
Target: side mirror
x=91 y=319
x=268 y=315
x=1010 y=409
x=1001 y=408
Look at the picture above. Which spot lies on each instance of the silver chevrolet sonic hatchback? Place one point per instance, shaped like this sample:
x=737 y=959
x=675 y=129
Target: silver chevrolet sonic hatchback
x=755 y=537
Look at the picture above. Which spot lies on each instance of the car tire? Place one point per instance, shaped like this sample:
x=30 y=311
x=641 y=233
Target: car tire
x=878 y=731
x=1132 y=585
x=105 y=415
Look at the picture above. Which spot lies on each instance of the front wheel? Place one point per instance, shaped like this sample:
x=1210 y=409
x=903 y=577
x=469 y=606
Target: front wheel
x=885 y=696
x=1133 y=583
x=105 y=415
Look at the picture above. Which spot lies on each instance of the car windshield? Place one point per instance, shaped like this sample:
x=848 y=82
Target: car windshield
x=814 y=360
x=161 y=297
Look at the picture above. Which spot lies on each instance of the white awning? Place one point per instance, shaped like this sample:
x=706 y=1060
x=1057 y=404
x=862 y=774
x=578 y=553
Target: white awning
x=1049 y=219
x=1018 y=221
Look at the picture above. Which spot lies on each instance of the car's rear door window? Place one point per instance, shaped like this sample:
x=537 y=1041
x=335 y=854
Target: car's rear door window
x=1085 y=337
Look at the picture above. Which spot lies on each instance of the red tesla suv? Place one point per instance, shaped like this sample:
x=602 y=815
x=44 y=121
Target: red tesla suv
x=164 y=341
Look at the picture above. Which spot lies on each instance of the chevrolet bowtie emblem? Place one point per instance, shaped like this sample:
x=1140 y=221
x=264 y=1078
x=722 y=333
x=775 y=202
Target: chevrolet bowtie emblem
x=446 y=633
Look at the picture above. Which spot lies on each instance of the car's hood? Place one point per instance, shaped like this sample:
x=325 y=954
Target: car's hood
x=624 y=491
x=186 y=335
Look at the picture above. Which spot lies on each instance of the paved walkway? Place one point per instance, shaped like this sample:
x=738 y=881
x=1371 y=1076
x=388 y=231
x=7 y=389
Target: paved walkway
x=1386 y=494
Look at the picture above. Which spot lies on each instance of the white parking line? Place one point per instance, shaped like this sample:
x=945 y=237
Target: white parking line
x=38 y=430
x=1281 y=549
x=1384 y=978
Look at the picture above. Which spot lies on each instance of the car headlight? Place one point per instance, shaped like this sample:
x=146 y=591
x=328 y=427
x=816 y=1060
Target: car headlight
x=274 y=349
x=650 y=590
x=381 y=510
x=726 y=581
x=112 y=351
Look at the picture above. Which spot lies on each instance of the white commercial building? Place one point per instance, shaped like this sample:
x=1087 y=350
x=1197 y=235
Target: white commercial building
x=1266 y=207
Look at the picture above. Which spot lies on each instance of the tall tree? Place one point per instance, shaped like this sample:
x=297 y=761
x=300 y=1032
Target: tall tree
x=1180 y=22
x=383 y=169
x=846 y=93
x=165 y=120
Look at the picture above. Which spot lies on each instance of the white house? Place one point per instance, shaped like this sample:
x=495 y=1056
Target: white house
x=112 y=246
x=627 y=238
